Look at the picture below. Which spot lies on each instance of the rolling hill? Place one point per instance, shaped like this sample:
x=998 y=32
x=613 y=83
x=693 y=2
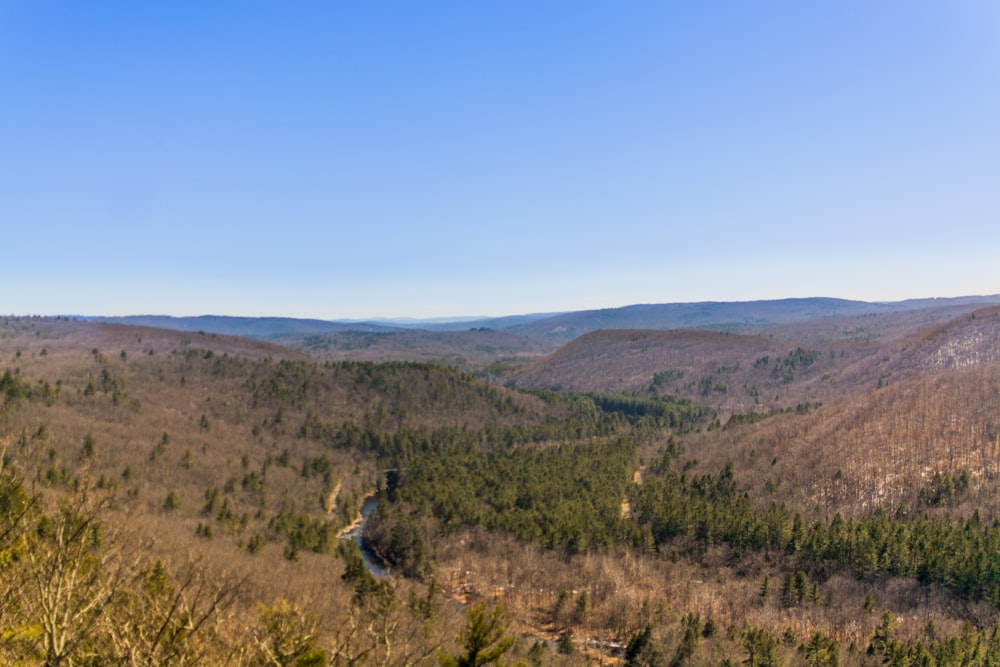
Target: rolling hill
x=800 y=480
x=496 y=346
x=483 y=351
x=738 y=373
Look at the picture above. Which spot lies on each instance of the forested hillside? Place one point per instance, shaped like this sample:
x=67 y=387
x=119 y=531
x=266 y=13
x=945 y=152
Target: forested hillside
x=496 y=347
x=177 y=498
x=740 y=373
x=483 y=351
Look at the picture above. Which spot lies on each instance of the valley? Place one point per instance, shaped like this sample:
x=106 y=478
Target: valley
x=810 y=482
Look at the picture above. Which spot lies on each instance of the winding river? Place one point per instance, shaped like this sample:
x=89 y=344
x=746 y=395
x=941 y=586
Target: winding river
x=372 y=562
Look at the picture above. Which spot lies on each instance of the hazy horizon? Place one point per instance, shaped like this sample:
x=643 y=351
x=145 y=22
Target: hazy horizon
x=463 y=317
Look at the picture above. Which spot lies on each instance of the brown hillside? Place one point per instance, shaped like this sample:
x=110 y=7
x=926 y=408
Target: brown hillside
x=213 y=446
x=967 y=340
x=211 y=443
x=32 y=335
x=741 y=373
x=730 y=373
x=868 y=327
x=470 y=351
x=879 y=447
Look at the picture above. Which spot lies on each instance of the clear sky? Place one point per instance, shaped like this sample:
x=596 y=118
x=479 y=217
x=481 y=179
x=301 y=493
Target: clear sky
x=486 y=157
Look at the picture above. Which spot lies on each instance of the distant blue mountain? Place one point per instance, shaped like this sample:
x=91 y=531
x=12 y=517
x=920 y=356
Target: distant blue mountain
x=733 y=316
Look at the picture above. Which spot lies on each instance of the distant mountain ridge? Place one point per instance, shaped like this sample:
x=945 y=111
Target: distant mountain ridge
x=728 y=316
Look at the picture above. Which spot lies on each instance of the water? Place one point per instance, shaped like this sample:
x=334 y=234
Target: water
x=372 y=562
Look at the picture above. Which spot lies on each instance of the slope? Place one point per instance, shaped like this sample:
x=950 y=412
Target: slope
x=739 y=373
x=590 y=517
x=217 y=457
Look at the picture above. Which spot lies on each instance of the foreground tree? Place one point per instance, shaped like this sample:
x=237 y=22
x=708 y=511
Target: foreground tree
x=484 y=638
x=159 y=621
x=289 y=638
x=75 y=592
x=70 y=580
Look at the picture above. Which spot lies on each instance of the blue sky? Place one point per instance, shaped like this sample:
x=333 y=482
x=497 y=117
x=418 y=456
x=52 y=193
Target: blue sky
x=431 y=158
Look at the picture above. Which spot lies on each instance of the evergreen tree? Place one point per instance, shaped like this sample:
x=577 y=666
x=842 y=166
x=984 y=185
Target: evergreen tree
x=484 y=638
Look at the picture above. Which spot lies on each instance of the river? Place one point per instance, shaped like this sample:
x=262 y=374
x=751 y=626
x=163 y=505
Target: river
x=373 y=563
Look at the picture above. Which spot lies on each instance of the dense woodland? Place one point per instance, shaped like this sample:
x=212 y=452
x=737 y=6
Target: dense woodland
x=180 y=498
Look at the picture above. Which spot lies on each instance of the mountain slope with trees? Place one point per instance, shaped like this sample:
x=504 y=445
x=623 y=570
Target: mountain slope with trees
x=742 y=373
x=495 y=345
x=195 y=485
